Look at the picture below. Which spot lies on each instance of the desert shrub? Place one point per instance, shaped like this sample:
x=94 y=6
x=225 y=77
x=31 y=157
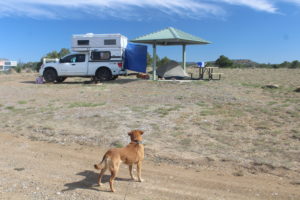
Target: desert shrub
x=223 y=61
x=18 y=69
x=295 y=64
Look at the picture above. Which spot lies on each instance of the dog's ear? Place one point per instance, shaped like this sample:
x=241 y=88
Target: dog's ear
x=130 y=133
x=141 y=132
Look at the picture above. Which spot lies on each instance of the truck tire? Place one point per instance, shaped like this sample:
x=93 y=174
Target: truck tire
x=103 y=74
x=50 y=75
x=60 y=79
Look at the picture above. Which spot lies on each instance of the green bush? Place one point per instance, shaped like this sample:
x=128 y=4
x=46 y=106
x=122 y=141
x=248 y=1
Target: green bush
x=18 y=69
x=223 y=61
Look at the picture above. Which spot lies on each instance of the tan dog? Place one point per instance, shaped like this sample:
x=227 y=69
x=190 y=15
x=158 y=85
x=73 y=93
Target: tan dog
x=133 y=153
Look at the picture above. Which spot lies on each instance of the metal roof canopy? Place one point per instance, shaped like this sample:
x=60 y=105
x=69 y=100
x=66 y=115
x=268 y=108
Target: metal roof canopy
x=167 y=37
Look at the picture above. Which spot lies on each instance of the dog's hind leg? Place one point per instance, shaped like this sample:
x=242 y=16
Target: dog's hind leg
x=101 y=174
x=113 y=170
x=130 y=172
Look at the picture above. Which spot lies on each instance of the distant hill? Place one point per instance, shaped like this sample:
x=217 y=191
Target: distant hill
x=237 y=62
x=240 y=63
x=245 y=62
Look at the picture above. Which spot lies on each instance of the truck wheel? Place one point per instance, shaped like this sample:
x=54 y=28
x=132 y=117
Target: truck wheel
x=104 y=74
x=60 y=79
x=50 y=75
x=114 y=77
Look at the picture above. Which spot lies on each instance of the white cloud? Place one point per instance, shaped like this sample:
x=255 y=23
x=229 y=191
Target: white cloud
x=130 y=9
x=50 y=8
x=262 y=5
x=293 y=1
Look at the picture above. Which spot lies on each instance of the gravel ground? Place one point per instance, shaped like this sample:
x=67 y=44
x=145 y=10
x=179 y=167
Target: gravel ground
x=233 y=119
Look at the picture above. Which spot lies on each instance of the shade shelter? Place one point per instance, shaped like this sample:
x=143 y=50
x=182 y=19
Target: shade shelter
x=168 y=37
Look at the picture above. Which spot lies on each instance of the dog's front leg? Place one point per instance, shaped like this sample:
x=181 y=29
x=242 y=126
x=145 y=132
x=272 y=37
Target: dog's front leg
x=139 y=171
x=130 y=172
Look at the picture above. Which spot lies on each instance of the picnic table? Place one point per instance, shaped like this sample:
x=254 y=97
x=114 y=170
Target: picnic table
x=209 y=71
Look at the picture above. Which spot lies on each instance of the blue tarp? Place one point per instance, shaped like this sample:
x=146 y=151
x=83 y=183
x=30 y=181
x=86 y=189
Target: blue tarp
x=136 y=57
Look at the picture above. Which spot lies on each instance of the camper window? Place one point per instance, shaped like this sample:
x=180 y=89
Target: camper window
x=110 y=42
x=83 y=42
x=100 y=55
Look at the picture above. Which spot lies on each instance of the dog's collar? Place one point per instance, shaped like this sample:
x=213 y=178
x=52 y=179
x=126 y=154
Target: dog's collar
x=137 y=142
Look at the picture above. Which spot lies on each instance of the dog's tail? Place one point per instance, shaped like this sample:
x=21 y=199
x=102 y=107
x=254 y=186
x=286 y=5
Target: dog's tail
x=100 y=165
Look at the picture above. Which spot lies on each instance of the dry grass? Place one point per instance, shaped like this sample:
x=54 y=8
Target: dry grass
x=232 y=119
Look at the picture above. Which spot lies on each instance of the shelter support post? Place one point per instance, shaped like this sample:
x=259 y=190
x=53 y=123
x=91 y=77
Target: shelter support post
x=184 y=57
x=154 y=62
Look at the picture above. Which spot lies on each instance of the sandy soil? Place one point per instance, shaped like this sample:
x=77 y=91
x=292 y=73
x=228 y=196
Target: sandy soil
x=228 y=139
x=41 y=170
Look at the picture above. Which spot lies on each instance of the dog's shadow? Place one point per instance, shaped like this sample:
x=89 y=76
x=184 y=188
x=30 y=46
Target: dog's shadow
x=90 y=181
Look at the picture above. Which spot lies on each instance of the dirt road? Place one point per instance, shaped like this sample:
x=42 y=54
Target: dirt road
x=42 y=170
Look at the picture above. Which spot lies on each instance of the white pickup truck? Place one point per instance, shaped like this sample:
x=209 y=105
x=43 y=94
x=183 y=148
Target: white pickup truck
x=97 y=64
x=100 y=56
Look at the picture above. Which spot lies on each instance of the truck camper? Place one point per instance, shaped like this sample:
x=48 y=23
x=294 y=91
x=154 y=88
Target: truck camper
x=100 y=56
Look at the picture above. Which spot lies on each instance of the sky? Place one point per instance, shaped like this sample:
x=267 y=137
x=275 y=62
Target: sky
x=265 y=31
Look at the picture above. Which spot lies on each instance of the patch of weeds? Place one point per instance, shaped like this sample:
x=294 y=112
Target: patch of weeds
x=177 y=133
x=179 y=97
x=10 y=107
x=292 y=100
x=85 y=104
x=208 y=112
x=295 y=131
x=155 y=127
x=261 y=127
x=277 y=132
x=296 y=134
x=33 y=138
x=201 y=104
x=19 y=169
x=49 y=108
x=271 y=103
x=164 y=111
x=225 y=110
x=266 y=111
x=139 y=109
x=235 y=113
x=186 y=141
x=117 y=144
x=252 y=85
x=155 y=130
x=238 y=173
x=22 y=102
x=293 y=114
x=223 y=124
